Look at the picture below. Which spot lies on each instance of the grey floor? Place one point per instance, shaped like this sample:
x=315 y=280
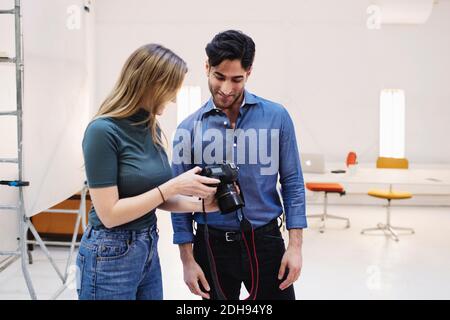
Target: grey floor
x=339 y=264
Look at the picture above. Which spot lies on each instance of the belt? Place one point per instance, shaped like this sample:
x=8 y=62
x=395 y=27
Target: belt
x=231 y=236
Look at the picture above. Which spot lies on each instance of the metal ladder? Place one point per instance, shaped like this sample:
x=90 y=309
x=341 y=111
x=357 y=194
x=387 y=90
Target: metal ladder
x=22 y=251
x=25 y=223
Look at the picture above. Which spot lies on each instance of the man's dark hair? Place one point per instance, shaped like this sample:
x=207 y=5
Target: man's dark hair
x=231 y=45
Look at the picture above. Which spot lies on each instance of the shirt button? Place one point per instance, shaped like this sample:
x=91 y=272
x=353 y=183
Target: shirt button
x=235 y=145
x=225 y=123
x=217 y=110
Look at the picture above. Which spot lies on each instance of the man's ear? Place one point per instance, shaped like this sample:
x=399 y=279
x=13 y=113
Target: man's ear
x=207 y=68
x=249 y=72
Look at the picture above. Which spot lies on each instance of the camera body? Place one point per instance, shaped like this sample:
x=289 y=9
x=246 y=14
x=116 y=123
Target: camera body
x=228 y=199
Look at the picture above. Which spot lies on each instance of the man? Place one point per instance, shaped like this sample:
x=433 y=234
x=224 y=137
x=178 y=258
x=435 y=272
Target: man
x=234 y=121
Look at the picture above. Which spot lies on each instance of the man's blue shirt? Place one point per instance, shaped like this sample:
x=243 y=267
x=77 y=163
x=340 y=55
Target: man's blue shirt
x=264 y=147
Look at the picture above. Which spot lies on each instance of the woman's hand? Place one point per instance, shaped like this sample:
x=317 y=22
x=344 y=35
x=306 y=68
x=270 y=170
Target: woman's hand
x=211 y=204
x=237 y=188
x=191 y=183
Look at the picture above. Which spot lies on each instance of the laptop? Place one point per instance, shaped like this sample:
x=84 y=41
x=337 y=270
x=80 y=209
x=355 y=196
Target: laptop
x=313 y=162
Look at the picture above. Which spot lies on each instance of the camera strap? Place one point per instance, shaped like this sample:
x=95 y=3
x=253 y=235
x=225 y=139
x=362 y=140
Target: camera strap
x=211 y=261
x=247 y=230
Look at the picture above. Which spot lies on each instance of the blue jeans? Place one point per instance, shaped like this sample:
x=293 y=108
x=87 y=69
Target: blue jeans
x=119 y=265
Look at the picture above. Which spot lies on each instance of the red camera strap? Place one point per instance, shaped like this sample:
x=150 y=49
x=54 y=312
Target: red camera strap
x=246 y=230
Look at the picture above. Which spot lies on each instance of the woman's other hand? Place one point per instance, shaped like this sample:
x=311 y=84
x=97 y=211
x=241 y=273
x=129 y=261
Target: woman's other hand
x=191 y=183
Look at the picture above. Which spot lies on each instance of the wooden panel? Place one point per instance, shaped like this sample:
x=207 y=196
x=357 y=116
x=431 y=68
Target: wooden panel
x=60 y=223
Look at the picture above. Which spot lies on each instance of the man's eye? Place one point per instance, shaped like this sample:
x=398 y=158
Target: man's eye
x=237 y=81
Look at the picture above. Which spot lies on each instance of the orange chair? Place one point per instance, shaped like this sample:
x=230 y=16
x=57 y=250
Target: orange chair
x=351 y=159
x=326 y=188
x=390 y=195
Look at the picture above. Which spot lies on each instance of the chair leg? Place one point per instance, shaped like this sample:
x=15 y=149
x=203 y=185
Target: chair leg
x=363 y=231
x=409 y=230
x=324 y=216
x=321 y=216
x=393 y=233
x=388 y=228
x=330 y=216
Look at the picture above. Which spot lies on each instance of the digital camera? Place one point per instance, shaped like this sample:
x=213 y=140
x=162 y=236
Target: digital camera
x=227 y=196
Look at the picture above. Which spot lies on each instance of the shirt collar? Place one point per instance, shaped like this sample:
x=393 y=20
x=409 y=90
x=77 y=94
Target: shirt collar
x=249 y=99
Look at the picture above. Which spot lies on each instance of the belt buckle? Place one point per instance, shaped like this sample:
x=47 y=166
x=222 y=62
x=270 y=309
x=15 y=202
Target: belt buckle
x=227 y=236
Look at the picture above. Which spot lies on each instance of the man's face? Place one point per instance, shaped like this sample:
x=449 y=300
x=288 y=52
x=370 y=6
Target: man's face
x=226 y=82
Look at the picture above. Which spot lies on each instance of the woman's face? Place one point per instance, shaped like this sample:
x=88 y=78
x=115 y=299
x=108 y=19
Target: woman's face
x=172 y=101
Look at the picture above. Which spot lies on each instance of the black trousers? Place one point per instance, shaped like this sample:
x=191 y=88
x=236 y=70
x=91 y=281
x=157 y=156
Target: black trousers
x=233 y=264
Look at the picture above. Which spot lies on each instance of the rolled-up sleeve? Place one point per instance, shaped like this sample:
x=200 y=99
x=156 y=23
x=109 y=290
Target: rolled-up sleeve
x=291 y=177
x=181 y=222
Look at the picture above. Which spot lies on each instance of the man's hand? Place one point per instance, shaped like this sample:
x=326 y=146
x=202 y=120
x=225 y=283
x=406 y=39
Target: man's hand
x=292 y=259
x=192 y=272
x=192 y=275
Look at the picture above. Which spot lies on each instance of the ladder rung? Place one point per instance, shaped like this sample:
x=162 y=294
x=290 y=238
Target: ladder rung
x=9 y=207
x=9 y=261
x=11 y=11
x=10 y=253
x=65 y=211
x=8 y=113
x=7 y=60
x=54 y=243
x=4 y=160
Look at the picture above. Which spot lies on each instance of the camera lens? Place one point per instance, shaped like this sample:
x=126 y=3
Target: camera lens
x=228 y=198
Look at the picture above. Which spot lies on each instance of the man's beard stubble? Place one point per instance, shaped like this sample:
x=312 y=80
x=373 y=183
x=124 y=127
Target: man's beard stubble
x=218 y=105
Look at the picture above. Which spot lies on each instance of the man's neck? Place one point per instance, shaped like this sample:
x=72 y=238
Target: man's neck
x=233 y=112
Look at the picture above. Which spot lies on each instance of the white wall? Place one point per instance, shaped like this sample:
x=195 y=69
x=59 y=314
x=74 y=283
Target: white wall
x=55 y=106
x=315 y=56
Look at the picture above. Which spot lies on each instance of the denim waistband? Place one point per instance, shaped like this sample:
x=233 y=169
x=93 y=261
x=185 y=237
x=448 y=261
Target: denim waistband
x=121 y=234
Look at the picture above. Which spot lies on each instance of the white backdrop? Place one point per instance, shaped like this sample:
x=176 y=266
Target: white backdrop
x=56 y=105
x=317 y=57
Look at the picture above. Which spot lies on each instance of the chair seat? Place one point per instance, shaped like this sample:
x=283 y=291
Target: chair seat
x=386 y=194
x=325 y=187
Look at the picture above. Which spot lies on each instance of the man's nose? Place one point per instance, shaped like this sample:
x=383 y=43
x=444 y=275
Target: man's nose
x=226 y=88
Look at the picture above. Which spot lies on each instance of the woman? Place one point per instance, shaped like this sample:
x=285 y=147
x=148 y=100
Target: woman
x=129 y=176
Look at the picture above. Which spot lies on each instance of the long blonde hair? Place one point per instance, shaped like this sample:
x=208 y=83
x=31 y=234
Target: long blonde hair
x=152 y=73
